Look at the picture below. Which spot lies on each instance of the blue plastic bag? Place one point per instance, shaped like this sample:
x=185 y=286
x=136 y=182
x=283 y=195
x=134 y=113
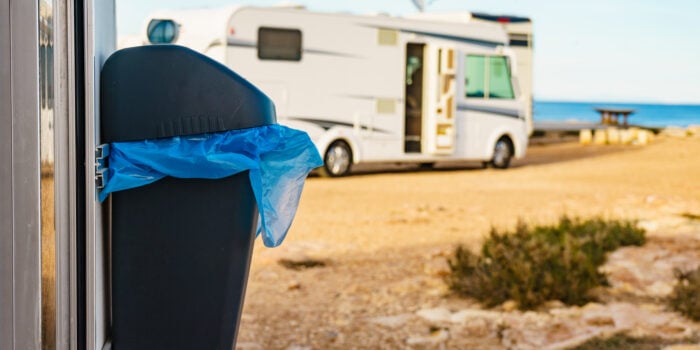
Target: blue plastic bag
x=279 y=160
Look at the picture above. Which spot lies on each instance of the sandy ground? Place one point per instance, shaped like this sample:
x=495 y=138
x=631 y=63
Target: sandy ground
x=384 y=236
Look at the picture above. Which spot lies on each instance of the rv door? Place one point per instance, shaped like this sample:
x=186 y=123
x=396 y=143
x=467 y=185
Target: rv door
x=439 y=100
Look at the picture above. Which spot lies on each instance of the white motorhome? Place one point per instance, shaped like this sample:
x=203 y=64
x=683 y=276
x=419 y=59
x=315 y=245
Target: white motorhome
x=371 y=88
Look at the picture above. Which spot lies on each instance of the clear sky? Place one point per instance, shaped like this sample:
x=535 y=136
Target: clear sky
x=586 y=50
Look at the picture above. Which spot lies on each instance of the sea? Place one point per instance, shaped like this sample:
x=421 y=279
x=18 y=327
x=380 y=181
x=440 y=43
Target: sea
x=648 y=115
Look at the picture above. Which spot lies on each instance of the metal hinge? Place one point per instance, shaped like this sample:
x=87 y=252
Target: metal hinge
x=101 y=164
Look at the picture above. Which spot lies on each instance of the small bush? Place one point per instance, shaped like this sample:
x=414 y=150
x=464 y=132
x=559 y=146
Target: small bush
x=535 y=264
x=686 y=295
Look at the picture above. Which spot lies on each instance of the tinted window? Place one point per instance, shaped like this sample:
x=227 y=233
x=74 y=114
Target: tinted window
x=279 y=44
x=499 y=78
x=475 y=80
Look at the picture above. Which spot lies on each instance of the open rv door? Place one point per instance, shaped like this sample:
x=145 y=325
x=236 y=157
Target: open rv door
x=439 y=105
x=53 y=260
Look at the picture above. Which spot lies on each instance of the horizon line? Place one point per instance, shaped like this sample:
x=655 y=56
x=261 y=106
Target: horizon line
x=622 y=101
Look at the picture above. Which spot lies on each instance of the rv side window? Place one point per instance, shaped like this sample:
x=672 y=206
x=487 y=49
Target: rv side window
x=487 y=77
x=279 y=44
x=475 y=79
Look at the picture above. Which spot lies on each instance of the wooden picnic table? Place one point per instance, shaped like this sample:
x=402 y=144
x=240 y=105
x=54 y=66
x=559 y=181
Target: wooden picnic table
x=611 y=116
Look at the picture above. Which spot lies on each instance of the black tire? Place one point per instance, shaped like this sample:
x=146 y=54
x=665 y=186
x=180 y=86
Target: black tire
x=502 y=153
x=337 y=160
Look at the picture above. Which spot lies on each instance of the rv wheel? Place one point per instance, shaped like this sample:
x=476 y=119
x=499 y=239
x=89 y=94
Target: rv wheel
x=337 y=160
x=502 y=153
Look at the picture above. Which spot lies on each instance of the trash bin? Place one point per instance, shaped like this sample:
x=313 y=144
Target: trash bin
x=180 y=248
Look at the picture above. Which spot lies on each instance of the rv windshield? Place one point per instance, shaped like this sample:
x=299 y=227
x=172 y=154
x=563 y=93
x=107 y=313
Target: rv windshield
x=487 y=77
x=499 y=78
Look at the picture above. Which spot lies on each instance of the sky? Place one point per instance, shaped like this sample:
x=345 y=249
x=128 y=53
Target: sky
x=644 y=51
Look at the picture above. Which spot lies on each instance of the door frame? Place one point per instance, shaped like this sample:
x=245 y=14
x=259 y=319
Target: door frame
x=85 y=34
x=20 y=232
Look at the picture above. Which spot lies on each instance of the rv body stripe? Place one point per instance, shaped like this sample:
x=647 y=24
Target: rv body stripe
x=457 y=38
x=370 y=97
x=252 y=44
x=330 y=53
x=461 y=39
x=327 y=124
x=506 y=112
x=241 y=43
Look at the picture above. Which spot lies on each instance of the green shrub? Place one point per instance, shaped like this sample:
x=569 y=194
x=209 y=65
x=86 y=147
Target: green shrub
x=535 y=264
x=686 y=294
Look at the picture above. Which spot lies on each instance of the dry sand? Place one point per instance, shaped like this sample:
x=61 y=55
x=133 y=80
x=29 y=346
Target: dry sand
x=384 y=236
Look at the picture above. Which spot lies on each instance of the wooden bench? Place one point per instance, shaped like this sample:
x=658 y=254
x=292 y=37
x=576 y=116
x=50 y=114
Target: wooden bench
x=611 y=116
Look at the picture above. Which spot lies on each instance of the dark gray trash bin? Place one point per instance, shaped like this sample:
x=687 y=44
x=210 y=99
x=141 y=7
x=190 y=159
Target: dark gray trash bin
x=180 y=247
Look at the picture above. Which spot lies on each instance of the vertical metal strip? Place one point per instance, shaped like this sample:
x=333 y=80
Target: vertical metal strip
x=64 y=176
x=24 y=24
x=100 y=34
x=6 y=213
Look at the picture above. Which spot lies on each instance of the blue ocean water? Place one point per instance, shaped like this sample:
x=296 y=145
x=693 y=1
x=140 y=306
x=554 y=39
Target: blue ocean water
x=650 y=115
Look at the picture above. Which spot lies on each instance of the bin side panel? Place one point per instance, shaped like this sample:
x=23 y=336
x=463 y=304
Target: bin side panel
x=184 y=243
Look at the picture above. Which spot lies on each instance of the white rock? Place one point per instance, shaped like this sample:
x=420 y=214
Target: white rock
x=613 y=136
x=439 y=336
x=578 y=340
x=468 y=315
x=479 y=327
x=643 y=137
x=391 y=321
x=585 y=136
x=600 y=137
x=299 y=347
x=435 y=315
x=649 y=225
x=633 y=131
x=626 y=136
x=659 y=289
x=675 y=132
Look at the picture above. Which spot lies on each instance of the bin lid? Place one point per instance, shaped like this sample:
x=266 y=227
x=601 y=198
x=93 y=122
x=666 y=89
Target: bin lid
x=162 y=91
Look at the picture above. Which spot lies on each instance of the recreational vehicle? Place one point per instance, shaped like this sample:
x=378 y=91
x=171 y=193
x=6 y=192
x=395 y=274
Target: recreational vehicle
x=372 y=88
